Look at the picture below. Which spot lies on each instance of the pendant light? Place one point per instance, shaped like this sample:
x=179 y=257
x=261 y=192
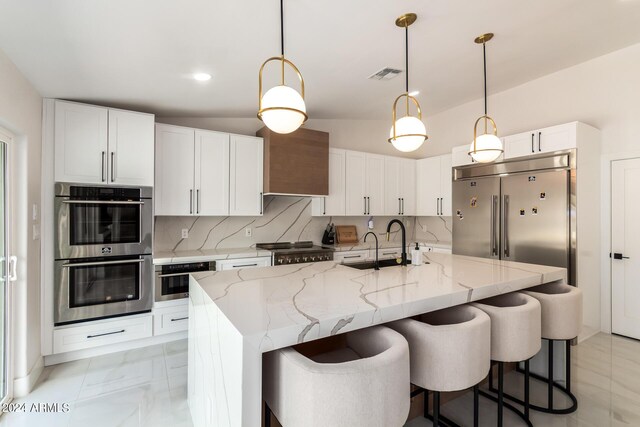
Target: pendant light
x=487 y=147
x=282 y=108
x=407 y=133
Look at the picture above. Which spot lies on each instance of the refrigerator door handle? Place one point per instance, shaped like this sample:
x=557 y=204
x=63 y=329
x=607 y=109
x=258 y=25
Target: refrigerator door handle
x=494 y=239
x=505 y=225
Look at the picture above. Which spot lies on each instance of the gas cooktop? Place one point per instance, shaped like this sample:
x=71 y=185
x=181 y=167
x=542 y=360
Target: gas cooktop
x=296 y=252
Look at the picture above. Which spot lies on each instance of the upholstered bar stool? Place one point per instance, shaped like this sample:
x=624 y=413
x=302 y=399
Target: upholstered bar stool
x=515 y=337
x=561 y=321
x=449 y=351
x=364 y=384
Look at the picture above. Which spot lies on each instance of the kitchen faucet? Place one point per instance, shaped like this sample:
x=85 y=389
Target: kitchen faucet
x=404 y=239
x=376 y=265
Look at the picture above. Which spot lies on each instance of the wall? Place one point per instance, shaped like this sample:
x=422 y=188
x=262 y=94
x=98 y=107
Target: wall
x=21 y=113
x=286 y=219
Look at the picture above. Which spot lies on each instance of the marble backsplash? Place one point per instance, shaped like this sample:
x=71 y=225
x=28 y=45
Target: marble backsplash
x=286 y=219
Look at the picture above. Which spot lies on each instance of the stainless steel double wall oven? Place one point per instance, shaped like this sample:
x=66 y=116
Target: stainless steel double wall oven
x=103 y=245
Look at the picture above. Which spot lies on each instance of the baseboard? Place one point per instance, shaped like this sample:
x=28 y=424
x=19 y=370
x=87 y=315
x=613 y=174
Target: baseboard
x=23 y=386
x=54 y=359
x=586 y=333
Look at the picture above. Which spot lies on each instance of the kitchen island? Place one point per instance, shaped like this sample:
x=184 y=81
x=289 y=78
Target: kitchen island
x=235 y=316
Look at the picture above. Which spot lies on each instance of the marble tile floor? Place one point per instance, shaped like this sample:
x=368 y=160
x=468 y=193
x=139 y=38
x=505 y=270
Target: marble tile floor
x=147 y=387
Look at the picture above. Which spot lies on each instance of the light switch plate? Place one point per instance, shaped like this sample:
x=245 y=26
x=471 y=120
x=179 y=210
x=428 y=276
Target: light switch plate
x=185 y=233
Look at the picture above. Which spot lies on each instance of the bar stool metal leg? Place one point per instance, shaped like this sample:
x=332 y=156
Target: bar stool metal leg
x=436 y=408
x=267 y=416
x=476 y=405
x=550 y=387
x=500 y=392
x=426 y=404
x=526 y=389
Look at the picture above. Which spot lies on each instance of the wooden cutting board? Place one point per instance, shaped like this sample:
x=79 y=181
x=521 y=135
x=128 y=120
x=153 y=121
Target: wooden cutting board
x=346 y=234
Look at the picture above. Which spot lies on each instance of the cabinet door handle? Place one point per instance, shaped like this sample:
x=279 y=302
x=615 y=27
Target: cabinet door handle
x=505 y=224
x=121 y=331
x=368 y=205
x=245 y=265
x=365 y=205
x=179 y=318
x=539 y=141
x=402 y=210
x=261 y=203
x=532 y=149
x=191 y=202
x=324 y=206
x=399 y=206
x=112 y=162
x=198 y=201
x=102 y=167
x=351 y=256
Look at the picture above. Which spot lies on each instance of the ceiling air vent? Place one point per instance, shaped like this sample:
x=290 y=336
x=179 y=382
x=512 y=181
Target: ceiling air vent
x=386 y=73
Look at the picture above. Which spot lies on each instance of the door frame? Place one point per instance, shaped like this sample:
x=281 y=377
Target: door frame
x=8 y=138
x=605 y=234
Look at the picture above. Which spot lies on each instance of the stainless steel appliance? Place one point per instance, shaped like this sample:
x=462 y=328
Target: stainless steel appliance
x=522 y=210
x=99 y=221
x=296 y=252
x=93 y=288
x=172 y=280
x=103 y=242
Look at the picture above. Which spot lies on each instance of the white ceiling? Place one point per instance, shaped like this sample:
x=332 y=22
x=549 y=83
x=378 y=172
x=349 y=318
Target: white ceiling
x=140 y=53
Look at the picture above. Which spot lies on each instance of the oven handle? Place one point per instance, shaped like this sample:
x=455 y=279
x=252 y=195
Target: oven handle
x=103 y=202
x=174 y=274
x=89 y=264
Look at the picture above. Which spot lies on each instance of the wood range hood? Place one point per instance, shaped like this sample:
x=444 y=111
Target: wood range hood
x=296 y=164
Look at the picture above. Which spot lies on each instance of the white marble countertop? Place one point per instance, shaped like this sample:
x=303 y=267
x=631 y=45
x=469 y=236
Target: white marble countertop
x=276 y=307
x=170 y=257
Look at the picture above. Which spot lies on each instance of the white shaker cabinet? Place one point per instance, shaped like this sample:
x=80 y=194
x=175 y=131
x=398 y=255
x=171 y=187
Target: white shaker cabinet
x=245 y=180
x=175 y=151
x=400 y=186
x=434 y=186
x=334 y=203
x=131 y=148
x=355 y=183
x=211 y=174
x=364 y=184
x=98 y=145
x=539 y=141
x=80 y=143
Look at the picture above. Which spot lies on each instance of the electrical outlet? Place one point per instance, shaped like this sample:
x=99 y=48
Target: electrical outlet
x=185 y=233
x=247 y=232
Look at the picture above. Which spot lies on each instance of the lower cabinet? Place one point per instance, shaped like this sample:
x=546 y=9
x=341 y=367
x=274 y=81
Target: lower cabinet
x=104 y=332
x=234 y=264
x=171 y=319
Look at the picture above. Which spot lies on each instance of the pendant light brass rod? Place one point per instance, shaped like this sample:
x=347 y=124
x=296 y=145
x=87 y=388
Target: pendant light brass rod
x=484 y=60
x=406 y=62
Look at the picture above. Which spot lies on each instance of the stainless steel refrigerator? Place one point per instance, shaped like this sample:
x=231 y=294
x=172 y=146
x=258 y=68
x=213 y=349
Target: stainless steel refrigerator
x=518 y=211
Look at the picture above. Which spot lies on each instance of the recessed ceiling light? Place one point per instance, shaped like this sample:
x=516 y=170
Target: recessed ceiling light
x=201 y=77
x=414 y=93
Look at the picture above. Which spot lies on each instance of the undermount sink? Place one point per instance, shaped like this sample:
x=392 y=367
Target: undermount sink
x=366 y=265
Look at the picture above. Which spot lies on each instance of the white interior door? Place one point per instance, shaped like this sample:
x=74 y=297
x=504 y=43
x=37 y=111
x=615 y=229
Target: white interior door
x=625 y=247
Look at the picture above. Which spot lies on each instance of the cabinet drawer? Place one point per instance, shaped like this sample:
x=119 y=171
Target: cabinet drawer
x=101 y=333
x=388 y=253
x=170 y=319
x=234 y=264
x=350 y=256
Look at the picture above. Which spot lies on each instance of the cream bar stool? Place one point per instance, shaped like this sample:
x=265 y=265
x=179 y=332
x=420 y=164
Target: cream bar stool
x=449 y=351
x=365 y=384
x=561 y=321
x=515 y=337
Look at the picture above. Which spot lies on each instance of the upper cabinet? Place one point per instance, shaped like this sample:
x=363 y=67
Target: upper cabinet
x=98 y=145
x=246 y=176
x=434 y=186
x=334 y=203
x=364 y=184
x=400 y=186
x=546 y=140
x=206 y=173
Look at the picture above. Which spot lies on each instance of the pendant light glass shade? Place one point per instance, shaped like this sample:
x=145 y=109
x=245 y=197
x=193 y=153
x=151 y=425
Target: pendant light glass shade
x=487 y=147
x=407 y=133
x=282 y=108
